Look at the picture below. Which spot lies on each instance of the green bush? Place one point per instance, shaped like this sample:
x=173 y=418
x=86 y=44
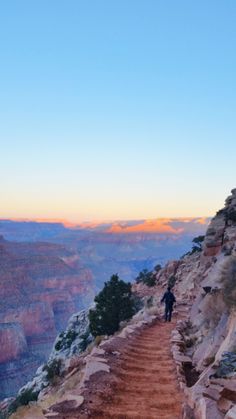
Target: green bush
x=146 y=278
x=197 y=245
x=113 y=305
x=70 y=337
x=59 y=345
x=23 y=399
x=66 y=339
x=53 y=369
x=228 y=279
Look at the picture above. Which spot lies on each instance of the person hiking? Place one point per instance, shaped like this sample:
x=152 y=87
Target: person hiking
x=169 y=300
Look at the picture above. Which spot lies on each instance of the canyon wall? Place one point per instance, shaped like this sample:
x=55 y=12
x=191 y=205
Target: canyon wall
x=42 y=284
x=206 y=282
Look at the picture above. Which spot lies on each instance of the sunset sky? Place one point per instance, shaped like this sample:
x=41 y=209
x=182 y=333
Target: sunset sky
x=117 y=109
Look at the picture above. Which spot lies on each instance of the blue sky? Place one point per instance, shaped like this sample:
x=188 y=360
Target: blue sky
x=117 y=109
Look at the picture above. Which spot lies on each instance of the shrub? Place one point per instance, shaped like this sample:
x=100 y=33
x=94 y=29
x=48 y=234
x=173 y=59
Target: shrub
x=197 y=244
x=198 y=241
x=113 y=305
x=146 y=277
x=195 y=249
x=70 y=337
x=59 y=345
x=23 y=399
x=157 y=268
x=53 y=369
x=171 y=281
x=66 y=339
x=228 y=279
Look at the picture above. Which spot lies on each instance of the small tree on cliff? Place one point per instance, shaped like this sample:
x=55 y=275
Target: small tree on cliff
x=148 y=278
x=197 y=245
x=198 y=242
x=113 y=304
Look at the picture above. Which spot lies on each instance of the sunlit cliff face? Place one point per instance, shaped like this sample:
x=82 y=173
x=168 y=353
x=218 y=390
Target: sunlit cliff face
x=147 y=226
x=160 y=225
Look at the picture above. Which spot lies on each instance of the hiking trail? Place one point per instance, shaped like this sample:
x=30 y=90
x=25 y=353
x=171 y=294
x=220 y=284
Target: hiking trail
x=147 y=385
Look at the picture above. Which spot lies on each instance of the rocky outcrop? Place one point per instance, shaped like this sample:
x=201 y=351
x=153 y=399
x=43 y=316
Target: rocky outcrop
x=221 y=234
x=207 y=343
x=209 y=339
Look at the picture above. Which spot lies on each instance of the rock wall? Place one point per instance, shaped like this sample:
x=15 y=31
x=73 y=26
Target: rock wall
x=39 y=292
x=12 y=342
x=210 y=336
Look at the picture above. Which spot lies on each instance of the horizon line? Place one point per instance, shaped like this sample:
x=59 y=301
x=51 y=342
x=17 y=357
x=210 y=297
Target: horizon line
x=68 y=222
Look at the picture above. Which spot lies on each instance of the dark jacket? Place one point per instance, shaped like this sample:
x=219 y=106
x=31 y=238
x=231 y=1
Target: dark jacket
x=169 y=298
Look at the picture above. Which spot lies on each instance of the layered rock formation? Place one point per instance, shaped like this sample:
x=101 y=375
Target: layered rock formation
x=204 y=345
x=43 y=283
x=39 y=291
x=126 y=247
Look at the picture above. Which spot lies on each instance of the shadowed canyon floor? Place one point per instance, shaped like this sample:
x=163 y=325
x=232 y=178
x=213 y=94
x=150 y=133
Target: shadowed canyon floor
x=147 y=385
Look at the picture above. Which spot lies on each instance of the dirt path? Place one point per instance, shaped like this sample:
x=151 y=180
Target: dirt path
x=146 y=387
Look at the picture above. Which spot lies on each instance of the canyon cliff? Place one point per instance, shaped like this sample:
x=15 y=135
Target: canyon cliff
x=49 y=270
x=42 y=284
x=203 y=344
x=205 y=281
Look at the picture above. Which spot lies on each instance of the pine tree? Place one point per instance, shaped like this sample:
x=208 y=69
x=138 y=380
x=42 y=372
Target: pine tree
x=113 y=305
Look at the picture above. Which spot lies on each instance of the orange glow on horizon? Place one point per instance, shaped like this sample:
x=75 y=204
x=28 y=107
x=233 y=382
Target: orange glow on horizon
x=158 y=225
x=148 y=226
x=202 y=220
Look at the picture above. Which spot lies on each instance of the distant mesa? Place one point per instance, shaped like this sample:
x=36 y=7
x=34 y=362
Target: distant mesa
x=159 y=225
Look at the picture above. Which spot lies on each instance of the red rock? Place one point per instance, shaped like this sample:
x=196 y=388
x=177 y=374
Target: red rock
x=12 y=341
x=39 y=292
x=224 y=404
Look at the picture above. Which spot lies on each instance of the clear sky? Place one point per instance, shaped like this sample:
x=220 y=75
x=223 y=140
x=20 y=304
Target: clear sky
x=117 y=109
